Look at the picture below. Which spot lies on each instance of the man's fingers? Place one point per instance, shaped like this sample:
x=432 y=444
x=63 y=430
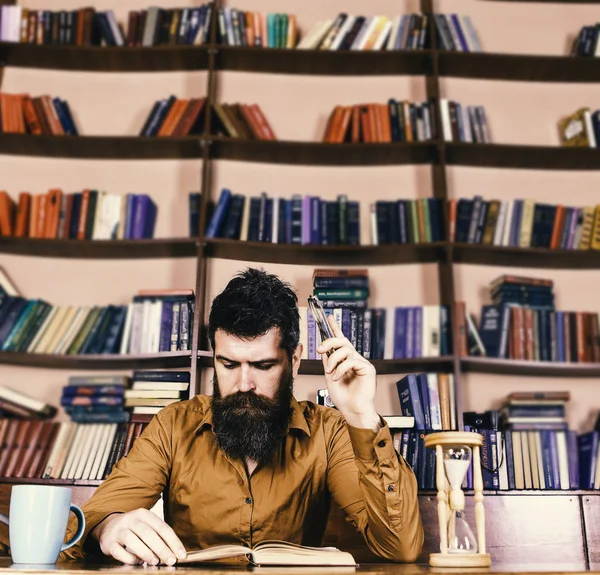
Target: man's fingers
x=337 y=330
x=155 y=543
x=167 y=535
x=134 y=545
x=118 y=551
x=332 y=343
x=356 y=364
x=339 y=355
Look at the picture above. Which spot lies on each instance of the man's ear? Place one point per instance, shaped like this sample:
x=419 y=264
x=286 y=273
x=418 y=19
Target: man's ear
x=296 y=358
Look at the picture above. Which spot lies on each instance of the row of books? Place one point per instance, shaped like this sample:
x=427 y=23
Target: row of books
x=396 y=121
x=586 y=43
x=539 y=334
x=524 y=223
x=175 y=117
x=580 y=128
x=86 y=215
x=161 y=26
x=246 y=28
x=299 y=220
x=349 y=32
x=379 y=333
x=241 y=121
x=154 y=322
x=20 y=114
x=464 y=123
x=455 y=32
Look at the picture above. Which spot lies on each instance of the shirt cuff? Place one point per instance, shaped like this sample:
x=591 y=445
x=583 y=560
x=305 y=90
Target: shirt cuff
x=369 y=445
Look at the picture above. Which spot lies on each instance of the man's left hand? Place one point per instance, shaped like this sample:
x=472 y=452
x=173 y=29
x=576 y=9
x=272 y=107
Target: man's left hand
x=351 y=380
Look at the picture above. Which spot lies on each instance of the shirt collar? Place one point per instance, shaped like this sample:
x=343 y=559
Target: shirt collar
x=297 y=421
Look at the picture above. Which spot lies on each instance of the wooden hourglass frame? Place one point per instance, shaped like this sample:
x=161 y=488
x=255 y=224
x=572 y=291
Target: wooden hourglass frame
x=439 y=441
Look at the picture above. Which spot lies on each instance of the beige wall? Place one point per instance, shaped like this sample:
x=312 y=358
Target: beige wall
x=297 y=107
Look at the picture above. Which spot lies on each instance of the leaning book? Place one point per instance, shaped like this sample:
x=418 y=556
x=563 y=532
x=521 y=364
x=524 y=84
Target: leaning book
x=273 y=553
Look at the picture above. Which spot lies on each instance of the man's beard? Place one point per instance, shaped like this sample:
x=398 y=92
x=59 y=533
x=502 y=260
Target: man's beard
x=248 y=425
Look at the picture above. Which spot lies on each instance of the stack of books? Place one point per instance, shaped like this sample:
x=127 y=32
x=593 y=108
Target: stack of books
x=95 y=398
x=87 y=215
x=153 y=390
x=15 y=404
x=175 y=117
x=241 y=121
x=580 y=128
x=22 y=114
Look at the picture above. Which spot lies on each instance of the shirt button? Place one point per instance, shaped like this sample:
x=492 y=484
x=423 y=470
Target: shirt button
x=381 y=443
x=248 y=500
x=390 y=488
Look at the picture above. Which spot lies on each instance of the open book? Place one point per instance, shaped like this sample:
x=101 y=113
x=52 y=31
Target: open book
x=273 y=553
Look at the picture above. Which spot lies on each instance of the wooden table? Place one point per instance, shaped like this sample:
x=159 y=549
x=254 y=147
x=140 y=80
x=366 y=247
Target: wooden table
x=6 y=566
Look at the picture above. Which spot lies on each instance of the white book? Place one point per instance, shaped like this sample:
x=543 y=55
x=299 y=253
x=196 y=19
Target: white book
x=507 y=224
x=346 y=26
x=373 y=220
x=160 y=385
x=369 y=30
x=122 y=218
x=452 y=395
x=399 y=421
x=383 y=36
x=72 y=451
x=469 y=29
x=390 y=331
x=155 y=317
x=589 y=129
x=62 y=434
x=453 y=32
x=15 y=25
x=535 y=473
x=500 y=223
x=563 y=460
x=19 y=398
x=145 y=410
x=435 y=411
x=503 y=466
x=152 y=393
x=99 y=466
x=63 y=329
x=88 y=451
x=393 y=33
x=127 y=329
x=316 y=35
x=245 y=221
x=275 y=222
x=63 y=454
x=57 y=320
x=430 y=334
x=98 y=450
x=6 y=284
x=42 y=330
x=445 y=116
x=464 y=113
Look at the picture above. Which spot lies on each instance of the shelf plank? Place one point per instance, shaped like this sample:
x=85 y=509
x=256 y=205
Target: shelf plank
x=324 y=255
x=99 y=362
x=322 y=154
x=463 y=253
x=515 y=156
x=389 y=366
x=100 y=249
x=520 y=67
x=101 y=147
x=329 y=62
x=48 y=481
x=105 y=58
x=527 y=368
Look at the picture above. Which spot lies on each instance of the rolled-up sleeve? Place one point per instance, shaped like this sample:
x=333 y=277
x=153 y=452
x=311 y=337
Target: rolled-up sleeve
x=377 y=490
x=136 y=481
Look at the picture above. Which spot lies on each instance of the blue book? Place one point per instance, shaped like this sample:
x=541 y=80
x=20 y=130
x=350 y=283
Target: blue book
x=588 y=454
x=490 y=329
x=410 y=400
x=144 y=218
x=214 y=227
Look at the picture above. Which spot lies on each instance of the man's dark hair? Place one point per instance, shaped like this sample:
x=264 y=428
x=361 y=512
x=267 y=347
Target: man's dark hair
x=253 y=302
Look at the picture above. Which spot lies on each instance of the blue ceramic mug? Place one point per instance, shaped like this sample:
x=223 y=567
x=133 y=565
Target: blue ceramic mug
x=38 y=522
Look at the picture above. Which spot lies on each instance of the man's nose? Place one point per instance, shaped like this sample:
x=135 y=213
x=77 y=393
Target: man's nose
x=246 y=384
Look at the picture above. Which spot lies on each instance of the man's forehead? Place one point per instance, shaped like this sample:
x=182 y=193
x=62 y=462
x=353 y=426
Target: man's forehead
x=269 y=341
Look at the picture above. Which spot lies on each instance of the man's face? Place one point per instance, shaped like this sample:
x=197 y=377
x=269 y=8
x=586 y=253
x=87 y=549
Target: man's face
x=251 y=394
x=255 y=365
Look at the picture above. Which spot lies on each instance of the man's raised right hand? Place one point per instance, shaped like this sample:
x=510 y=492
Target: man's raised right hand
x=139 y=536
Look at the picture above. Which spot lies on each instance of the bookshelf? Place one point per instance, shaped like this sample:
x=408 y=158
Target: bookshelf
x=437 y=165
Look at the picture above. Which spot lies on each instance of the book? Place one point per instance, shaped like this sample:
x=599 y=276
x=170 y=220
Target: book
x=273 y=553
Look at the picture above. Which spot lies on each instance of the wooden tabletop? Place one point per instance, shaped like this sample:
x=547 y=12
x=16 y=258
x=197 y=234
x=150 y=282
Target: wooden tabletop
x=75 y=567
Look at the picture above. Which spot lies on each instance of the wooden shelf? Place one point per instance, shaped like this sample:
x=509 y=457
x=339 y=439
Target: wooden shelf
x=528 y=368
x=331 y=63
x=324 y=255
x=99 y=362
x=101 y=147
x=525 y=257
x=515 y=156
x=389 y=366
x=521 y=67
x=40 y=481
x=321 y=154
x=104 y=58
x=99 y=249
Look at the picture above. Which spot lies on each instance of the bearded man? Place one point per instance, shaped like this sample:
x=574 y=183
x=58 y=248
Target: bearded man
x=251 y=463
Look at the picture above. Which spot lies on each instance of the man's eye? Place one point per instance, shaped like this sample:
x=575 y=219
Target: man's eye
x=264 y=367
x=229 y=365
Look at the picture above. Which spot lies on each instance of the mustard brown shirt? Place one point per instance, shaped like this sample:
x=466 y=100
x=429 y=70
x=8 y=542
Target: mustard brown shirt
x=211 y=500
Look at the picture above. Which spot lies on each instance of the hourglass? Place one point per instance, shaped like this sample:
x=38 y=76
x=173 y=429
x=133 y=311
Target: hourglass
x=459 y=547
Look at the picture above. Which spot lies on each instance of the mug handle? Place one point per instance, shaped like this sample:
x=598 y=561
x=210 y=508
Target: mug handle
x=80 y=528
